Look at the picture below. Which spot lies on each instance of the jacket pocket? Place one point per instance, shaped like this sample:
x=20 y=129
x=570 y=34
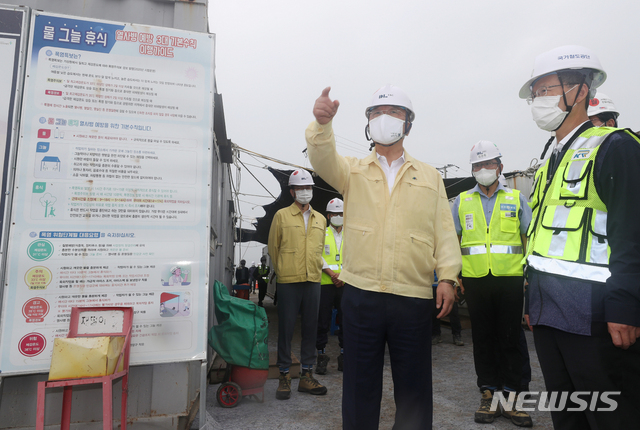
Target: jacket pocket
x=417 y=197
x=567 y=227
x=288 y=262
x=508 y=222
x=361 y=249
x=575 y=180
x=415 y=260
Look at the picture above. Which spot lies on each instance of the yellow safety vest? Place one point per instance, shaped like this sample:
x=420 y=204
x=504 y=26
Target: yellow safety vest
x=331 y=255
x=497 y=247
x=568 y=234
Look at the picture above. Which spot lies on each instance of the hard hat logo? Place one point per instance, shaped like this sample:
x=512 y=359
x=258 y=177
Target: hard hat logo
x=484 y=150
x=594 y=102
x=300 y=177
x=571 y=57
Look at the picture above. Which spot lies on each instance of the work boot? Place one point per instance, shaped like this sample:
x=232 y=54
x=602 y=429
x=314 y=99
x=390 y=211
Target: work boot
x=308 y=384
x=484 y=414
x=519 y=418
x=457 y=340
x=436 y=339
x=340 y=362
x=284 y=388
x=321 y=367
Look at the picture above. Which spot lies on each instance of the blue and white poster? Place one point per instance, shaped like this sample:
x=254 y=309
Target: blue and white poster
x=111 y=199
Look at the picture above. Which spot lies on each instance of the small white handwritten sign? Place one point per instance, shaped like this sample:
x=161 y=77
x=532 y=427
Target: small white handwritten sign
x=97 y=322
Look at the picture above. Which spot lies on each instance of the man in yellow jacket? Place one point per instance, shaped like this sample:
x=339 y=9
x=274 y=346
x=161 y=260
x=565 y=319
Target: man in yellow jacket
x=296 y=240
x=397 y=229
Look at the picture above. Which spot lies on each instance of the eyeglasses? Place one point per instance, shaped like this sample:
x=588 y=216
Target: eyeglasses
x=542 y=91
x=483 y=164
x=397 y=112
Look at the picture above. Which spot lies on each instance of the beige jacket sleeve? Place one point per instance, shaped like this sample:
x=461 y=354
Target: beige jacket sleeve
x=274 y=241
x=321 y=147
x=446 y=244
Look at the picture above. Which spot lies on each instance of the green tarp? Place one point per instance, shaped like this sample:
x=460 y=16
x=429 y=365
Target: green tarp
x=242 y=331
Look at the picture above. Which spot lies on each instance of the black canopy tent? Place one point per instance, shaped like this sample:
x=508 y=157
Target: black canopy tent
x=322 y=193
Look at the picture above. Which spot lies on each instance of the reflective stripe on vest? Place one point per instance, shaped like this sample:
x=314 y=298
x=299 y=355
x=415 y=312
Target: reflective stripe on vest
x=264 y=273
x=567 y=268
x=330 y=257
x=568 y=236
x=497 y=248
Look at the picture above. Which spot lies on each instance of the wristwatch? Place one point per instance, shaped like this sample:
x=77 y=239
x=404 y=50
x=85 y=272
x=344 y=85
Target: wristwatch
x=449 y=281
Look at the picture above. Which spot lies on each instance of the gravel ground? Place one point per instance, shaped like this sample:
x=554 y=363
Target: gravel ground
x=455 y=394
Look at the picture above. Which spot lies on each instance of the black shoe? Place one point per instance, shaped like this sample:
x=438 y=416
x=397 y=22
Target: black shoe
x=340 y=362
x=260 y=304
x=321 y=367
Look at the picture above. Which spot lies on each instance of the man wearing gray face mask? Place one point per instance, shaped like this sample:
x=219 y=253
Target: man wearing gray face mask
x=583 y=259
x=491 y=221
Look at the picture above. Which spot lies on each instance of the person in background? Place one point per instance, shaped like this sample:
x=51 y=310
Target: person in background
x=398 y=229
x=491 y=221
x=263 y=273
x=252 y=277
x=583 y=258
x=602 y=112
x=454 y=321
x=331 y=294
x=242 y=273
x=296 y=240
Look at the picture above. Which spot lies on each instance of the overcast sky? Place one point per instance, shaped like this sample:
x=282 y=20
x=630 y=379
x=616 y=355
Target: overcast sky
x=461 y=63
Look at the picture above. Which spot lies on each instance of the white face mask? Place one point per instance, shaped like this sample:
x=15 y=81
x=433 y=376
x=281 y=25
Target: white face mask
x=486 y=177
x=337 y=221
x=386 y=129
x=304 y=196
x=546 y=113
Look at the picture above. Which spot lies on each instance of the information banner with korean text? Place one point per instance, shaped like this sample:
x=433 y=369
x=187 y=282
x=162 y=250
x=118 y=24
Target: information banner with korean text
x=111 y=202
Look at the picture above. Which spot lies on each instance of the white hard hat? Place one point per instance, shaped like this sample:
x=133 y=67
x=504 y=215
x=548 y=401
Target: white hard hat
x=483 y=151
x=300 y=177
x=570 y=57
x=174 y=269
x=601 y=103
x=253 y=263
x=392 y=96
x=335 y=205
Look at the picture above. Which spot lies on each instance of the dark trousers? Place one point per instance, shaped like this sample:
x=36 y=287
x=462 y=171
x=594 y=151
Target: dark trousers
x=526 y=361
x=297 y=298
x=454 y=319
x=262 y=290
x=372 y=320
x=572 y=362
x=330 y=297
x=495 y=310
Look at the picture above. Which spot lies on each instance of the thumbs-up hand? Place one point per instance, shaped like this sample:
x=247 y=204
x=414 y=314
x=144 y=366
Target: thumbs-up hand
x=325 y=109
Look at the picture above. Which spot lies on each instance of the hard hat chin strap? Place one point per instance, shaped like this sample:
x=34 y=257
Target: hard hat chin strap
x=564 y=97
x=568 y=106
